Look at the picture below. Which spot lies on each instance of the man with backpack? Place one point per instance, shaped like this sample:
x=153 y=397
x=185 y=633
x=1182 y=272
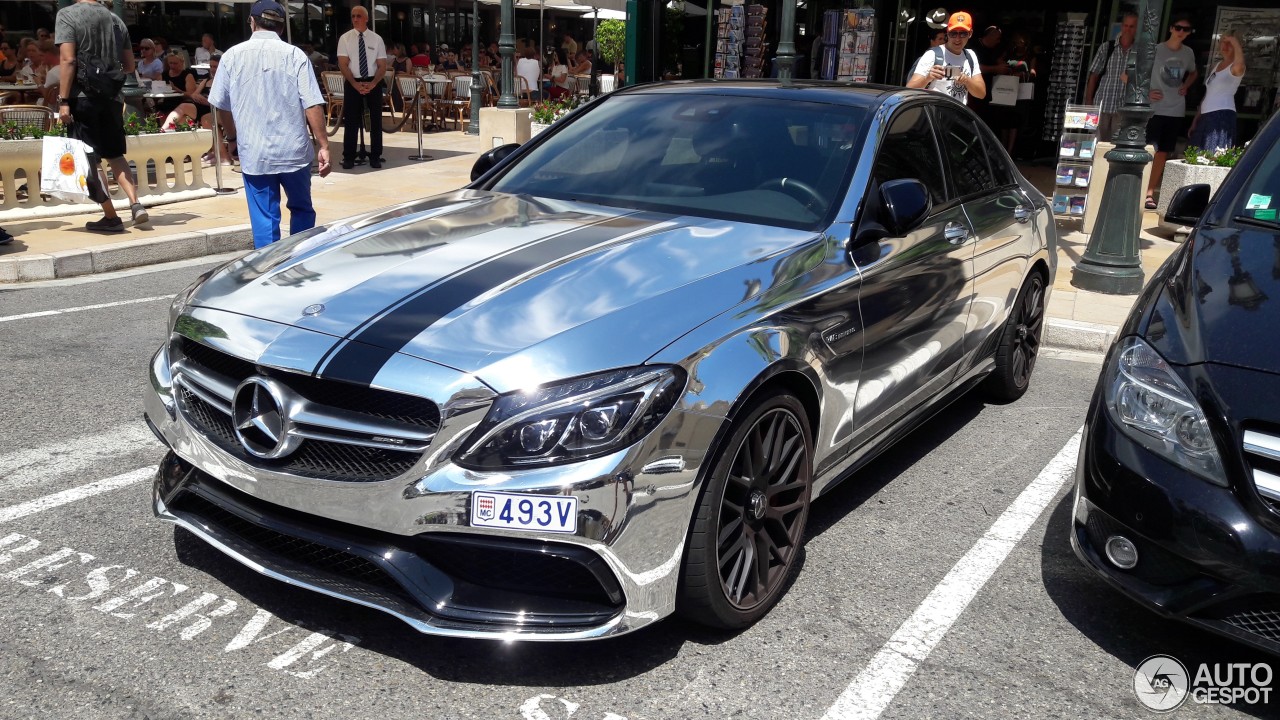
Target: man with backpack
x=1107 y=75
x=94 y=54
x=951 y=69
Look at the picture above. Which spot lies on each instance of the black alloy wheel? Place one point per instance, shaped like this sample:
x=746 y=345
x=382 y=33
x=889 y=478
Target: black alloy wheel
x=751 y=519
x=1020 y=343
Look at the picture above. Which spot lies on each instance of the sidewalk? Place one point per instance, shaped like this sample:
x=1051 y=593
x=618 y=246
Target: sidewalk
x=60 y=247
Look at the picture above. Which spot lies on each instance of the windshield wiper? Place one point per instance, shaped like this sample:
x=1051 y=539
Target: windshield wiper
x=1268 y=224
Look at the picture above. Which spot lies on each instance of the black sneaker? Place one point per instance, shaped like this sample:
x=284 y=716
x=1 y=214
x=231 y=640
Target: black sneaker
x=5 y=237
x=105 y=225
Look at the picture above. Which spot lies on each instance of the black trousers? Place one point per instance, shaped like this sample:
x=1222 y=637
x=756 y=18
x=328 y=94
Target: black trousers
x=353 y=107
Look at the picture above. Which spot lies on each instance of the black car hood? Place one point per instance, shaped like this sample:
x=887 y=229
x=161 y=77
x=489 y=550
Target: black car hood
x=1217 y=300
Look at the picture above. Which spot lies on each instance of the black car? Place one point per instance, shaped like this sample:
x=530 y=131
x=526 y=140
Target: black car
x=1177 y=500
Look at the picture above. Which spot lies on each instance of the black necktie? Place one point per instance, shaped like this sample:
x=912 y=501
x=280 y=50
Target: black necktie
x=364 y=59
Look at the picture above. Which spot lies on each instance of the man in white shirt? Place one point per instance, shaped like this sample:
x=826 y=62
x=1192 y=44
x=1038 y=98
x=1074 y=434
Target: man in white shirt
x=267 y=99
x=204 y=52
x=49 y=91
x=362 y=58
x=951 y=69
x=150 y=66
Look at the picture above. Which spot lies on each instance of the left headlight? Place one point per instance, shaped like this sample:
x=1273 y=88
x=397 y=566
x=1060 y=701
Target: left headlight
x=573 y=420
x=1152 y=405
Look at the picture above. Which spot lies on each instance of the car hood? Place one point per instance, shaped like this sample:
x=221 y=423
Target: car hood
x=1215 y=304
x=509 y=288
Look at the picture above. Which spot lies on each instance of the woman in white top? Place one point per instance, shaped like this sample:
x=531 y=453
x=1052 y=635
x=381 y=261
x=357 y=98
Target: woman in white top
x=559 y=75
x=1214 y=126
x=531 y=70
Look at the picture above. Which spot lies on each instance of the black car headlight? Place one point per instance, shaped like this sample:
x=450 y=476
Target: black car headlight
x=1151 y=404
x=572 y=420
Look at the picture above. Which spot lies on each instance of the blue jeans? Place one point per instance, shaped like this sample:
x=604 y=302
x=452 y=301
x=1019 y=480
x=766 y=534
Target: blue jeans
x=263 y=194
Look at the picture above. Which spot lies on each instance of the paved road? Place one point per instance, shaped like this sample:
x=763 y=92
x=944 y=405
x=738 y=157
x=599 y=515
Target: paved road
x=107 y=613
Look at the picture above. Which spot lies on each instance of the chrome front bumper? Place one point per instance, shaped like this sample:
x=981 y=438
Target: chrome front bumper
x=634 y=507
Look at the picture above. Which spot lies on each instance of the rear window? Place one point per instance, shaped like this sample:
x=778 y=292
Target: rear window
x=751 y=159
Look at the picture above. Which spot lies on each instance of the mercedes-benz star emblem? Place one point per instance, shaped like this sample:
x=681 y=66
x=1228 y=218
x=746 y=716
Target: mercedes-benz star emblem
x=261 y=417
x=313 y=310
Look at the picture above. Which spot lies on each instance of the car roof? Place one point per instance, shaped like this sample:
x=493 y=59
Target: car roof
x=826 y=91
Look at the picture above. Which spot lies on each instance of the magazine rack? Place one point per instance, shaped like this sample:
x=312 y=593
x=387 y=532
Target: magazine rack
x=1076 y=148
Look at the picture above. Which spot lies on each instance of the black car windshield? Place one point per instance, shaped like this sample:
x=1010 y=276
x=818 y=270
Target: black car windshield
x=1260 y=200
x=769 y=161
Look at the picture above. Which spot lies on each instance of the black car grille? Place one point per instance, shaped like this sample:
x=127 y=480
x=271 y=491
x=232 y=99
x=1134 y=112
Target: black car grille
x=321 y=459
x=314 y=458
x=1263 y=461
x=1262 y=622
x=375 y=402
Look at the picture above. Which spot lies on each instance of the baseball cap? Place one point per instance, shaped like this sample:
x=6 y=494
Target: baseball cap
x=444 y=47
x=268 y=9
x=957 y=21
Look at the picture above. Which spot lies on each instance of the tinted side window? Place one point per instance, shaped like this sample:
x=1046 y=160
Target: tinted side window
x=909 y=150
x=1002 y=171
x=965 y=153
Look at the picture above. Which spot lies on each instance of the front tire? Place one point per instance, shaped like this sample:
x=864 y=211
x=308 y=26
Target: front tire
x=1019 y=343
x=749 y=525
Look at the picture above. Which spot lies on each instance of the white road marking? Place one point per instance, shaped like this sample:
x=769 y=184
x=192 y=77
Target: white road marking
x=64 y=311
x=875 y=687
x=78 y=493
x=69 y=458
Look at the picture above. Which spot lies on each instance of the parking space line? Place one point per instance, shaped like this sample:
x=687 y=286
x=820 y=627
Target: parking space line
x=47 y=313
x=883 y=678
x=78 y=493
x=73 y=456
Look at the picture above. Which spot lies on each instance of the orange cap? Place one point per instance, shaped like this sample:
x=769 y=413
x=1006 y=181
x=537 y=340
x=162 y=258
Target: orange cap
x=960 y=21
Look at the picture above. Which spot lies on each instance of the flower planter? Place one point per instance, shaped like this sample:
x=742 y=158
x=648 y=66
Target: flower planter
x=1179 y=173
x=164 y=163
x=535 y=128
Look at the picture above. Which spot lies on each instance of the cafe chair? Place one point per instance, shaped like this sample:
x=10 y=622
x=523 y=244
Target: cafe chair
x=334 y=91
x=23 y=115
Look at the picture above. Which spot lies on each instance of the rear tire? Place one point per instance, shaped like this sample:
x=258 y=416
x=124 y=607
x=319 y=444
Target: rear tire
x=1019 y=343
x=749 y=524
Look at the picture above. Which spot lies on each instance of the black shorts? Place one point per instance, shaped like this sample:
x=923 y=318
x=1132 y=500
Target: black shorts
x=100 y=125
x=1163 y=132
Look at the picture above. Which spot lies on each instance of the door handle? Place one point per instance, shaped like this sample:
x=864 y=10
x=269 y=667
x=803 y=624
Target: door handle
x=1021 y=213
x=955 y=233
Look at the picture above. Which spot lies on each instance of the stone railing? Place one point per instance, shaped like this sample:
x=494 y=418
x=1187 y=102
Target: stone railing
x=167 y=166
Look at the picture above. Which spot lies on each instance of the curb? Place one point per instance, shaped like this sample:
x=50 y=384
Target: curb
x=1082 y=336
x=127 y=254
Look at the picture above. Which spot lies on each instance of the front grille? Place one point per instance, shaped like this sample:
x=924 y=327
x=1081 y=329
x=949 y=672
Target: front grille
x=364 y=459
x=315 y=458
x=1262 y=622
x=521 y=567
x=386 y=404
x=1261 y=447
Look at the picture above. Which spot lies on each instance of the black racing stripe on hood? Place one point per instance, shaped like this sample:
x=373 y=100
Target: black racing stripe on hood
x=363 y=354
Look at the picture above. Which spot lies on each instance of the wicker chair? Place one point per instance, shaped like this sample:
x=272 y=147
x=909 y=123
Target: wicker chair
x=28 y=115
x=415 y=100
x=457 y=104
x=334 y=92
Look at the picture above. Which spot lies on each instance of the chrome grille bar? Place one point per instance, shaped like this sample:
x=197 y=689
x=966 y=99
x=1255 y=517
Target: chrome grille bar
x=1266 y=448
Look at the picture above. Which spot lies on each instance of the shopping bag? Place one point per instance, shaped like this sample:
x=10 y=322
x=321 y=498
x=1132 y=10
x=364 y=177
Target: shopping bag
x=1004 y=91
x=1026 y=91
x=64 y=168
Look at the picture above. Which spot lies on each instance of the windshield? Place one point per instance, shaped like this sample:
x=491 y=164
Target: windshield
x=1260 y=199
x=760 y=160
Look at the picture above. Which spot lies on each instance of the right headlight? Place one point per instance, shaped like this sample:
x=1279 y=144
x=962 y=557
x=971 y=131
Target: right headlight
x=1151 y=404
x=573 y=420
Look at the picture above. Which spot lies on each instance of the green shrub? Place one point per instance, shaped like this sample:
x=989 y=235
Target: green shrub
x=611 y=40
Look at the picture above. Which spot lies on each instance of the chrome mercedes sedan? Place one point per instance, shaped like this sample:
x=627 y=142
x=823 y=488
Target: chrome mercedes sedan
x=604 y=382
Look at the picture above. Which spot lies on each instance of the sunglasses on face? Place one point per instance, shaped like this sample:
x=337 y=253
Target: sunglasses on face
x=959 y=34
x=1183 y=28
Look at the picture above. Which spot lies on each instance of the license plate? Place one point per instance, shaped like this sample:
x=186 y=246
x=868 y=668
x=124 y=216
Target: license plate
x=519 y=511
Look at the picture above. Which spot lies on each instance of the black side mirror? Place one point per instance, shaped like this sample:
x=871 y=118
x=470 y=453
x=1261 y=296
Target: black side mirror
x=1187 y=204
x=490 y=160
x=903 y=204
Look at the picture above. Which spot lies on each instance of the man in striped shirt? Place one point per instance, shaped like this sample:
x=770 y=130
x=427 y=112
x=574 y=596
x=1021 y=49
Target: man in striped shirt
x=267 y=99
x=1107 y=76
